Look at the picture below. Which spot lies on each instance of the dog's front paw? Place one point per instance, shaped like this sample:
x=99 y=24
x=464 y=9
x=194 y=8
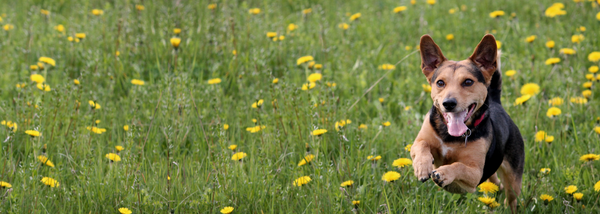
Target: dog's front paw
x=442 y=176
x=423 y=169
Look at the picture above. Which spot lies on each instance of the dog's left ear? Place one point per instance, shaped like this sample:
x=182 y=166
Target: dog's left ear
x=484 y=56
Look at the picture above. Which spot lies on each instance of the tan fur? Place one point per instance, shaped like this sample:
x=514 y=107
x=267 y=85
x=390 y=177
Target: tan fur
x=461 y=165
x=454 y=74
x=512 y=185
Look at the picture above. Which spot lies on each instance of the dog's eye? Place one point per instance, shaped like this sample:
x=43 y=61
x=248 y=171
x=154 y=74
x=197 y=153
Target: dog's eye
x=440 y=83
x=468 y=82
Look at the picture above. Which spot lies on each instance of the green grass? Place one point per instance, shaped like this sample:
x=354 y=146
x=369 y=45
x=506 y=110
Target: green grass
x=176 y=119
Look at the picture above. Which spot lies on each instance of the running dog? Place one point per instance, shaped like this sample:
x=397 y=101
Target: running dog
x=467 y=136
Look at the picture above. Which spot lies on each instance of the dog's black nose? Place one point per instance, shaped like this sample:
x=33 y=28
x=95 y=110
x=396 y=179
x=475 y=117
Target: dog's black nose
x=449 y=104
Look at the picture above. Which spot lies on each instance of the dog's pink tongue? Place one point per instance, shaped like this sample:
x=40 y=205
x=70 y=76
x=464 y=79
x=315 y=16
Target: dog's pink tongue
x=456 y=123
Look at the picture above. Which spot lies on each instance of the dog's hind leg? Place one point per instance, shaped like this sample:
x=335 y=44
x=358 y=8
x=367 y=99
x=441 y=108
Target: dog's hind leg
x=512 y=184
x=494 y=179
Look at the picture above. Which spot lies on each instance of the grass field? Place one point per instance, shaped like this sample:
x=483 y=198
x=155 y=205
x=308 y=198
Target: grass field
x=126 y=85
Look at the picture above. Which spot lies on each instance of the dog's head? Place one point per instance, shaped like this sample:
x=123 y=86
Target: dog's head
x=458 y=88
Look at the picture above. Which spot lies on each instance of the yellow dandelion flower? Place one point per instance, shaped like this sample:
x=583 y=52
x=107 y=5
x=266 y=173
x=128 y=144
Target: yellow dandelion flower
x=271 y=34
x=545 y=171
x=302 y=181
x=319 y=132
x=80 y=35
x=488 y=187
x=597 y=129
x=553 y=111
x=45 y=12
x=50 y=182
x=343 y=26
x=597 y=186
x=97 y=12
x=450 y=37
x=5 y=184
x=355 y=16
x=496 y=14
x=347 y=183
x=308 y=86
x=587 y=84
x=593 y=69
x=137 y=82
x=567 y=51
x=307 y=11
x=258 y=103
x=586 y=93
x=430 y=2
x=362 y=126
x=45 y=161
x=510 y=73
x=175 y=42
x=531 y=38
x=8 y=27
x=487 y=200
x=399 y=9
x=119 y=148
x=314 y=77
x=540 y=136
x=577 y=38
x=594 y=56
x=304 y=59
x=550 y=44
x=226 y=126
x=374 y=158
x=546 y=198
x=356 y=203
x=578 y=196
x=113 y=157
x=227 y=210
x=37 y=78
x=555 y=10
x=530 y=89
x=124 y=210
x=498 y=44
x=556 y=101
x=126 y=127
x=570 y=189
x=47 y=60
x=214 y=81
x=254 y=11
x=232 y=147
x=426 y=88
x=43 y=86
x=549 y=139
x=307 y=159
x=579 y=100
x=140 y=7
x=552 y=61
x=408 y=147
x=176 y=30
x=59 y=28
x=238 y=156
x=452 y=11
x=402 y=162
x=33 y=133
x=387 y=67
x=390 y=176
x=386 y=123
x=589 y=157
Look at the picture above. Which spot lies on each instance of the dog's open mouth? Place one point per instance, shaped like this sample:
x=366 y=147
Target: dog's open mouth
x=455 y=121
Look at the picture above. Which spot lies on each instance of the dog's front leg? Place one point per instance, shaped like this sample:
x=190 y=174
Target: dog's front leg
x=467 y=177
x=467 y=171
x=422 y=159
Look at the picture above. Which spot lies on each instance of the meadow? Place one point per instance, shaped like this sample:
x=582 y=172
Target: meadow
x=279 y=106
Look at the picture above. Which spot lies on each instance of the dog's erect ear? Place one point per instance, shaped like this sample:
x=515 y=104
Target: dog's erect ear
x=431 y=56
x=484 y=56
